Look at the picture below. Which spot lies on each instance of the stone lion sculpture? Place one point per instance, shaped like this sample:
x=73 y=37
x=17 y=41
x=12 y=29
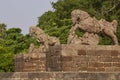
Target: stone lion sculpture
x=44 y=39
x=83 y=21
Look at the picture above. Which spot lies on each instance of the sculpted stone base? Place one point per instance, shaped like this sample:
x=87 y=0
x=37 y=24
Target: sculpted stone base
x=30 y=62
x=84 y=58
x=73 y=57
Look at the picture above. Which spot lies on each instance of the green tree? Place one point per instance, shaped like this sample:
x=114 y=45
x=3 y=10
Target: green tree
x=2 y=30
x=13 y=43
x=16 y=41
x=6 y=62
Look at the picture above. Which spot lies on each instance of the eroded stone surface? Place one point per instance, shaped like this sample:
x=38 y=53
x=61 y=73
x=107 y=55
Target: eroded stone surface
x=59 y=76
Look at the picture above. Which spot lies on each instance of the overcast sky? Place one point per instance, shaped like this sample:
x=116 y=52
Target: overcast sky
x=23 y=13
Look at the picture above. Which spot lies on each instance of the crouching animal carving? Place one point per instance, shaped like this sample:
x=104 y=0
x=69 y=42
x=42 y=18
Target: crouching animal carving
x=44 y=39
x=86 y=39
x=83 y=21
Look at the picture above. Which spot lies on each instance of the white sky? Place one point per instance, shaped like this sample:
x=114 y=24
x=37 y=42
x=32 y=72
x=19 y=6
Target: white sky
x=23 y=13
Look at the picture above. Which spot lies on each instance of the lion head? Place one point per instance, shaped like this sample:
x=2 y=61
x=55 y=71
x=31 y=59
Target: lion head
x=78 y=15
x=35 y=31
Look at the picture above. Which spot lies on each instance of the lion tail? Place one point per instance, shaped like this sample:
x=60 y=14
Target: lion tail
x=114 y=25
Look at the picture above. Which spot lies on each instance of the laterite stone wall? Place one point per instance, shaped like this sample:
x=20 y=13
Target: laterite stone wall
x=59 y=76
x=84 y=58
x=30 y=62
x=80 y=58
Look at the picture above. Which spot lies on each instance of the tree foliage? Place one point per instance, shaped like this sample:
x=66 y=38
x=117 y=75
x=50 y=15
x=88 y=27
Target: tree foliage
x=12 y=42
x=2 y=30
x=58 y=22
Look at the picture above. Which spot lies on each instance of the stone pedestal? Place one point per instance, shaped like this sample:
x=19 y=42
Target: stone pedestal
x=59 y=76
x=84 y=58
x=80 y=58
x=30 y=62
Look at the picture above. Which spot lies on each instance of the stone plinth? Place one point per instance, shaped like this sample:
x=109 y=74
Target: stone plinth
x=30 y=62
x=84 y=58
x=80 y=58
x=59 y=76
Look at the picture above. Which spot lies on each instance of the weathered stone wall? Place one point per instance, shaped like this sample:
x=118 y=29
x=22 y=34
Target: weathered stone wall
x=84 y=58
x=30 y=62
x=59 y=76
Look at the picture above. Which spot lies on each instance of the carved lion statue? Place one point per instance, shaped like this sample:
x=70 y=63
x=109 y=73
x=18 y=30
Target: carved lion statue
x=44 y=39
x=83 y=21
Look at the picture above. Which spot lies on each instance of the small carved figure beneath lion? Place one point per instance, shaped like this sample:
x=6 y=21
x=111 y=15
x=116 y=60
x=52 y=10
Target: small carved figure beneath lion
x=83 y=21
x=33 y=52
x=86 y=39
x=32 y=49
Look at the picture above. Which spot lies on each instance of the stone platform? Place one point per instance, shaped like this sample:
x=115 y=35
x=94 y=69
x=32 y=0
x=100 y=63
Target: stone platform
x=84 y=58
x=59 y=76
x=68 y=62
x=81 y=58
